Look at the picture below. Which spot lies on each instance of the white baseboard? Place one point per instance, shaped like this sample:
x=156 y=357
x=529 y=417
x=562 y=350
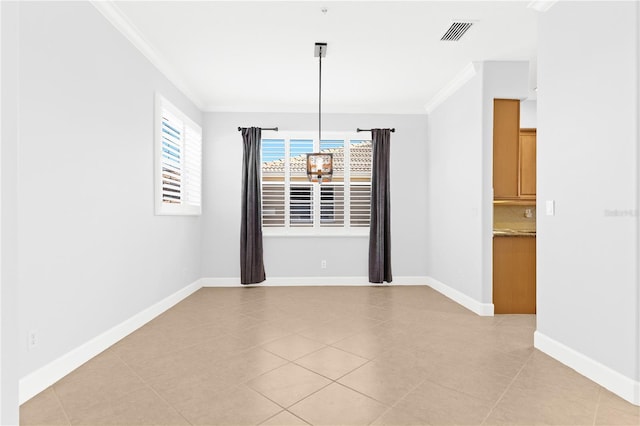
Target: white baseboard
x=310 y=281
x=39 y=380
x=42 y=378
x=617 y=383
x=482 y=309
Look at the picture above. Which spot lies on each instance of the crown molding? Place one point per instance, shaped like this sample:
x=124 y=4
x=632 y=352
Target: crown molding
x=458 y=81
x=297 y=109
x=119 y=20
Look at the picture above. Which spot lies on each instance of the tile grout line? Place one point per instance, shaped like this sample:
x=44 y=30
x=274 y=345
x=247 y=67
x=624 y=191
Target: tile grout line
x=280 y=412
x=165 y=352
x=288 y=361
x=64 y=411
x=282 y=406
x=123 y=394
x=507 y=388
x=332 y=381
x=148 y=385
x=295 y=415
x=358 y=391
x=595 y=414
x=245 y=382
x=395 y=404
x=329 y=378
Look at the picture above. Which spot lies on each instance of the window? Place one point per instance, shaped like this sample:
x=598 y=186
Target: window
x=292 y=205
x=178 y=161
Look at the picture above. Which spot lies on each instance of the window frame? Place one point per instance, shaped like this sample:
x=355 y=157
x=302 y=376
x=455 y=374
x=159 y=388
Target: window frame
x=316 y=230
x=184 y=208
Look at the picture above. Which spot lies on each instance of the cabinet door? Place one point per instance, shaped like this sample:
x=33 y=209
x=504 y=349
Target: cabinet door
x=514 y=275
x=506 y=133
x=528 y=163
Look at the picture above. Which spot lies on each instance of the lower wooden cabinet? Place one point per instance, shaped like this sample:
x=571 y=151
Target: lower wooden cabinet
x=514 y=274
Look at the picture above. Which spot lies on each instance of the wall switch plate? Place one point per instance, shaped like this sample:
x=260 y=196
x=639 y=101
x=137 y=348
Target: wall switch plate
x=551 y=208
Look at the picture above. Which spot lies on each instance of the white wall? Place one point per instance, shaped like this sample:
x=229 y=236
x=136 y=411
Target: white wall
x=588 y=163
x=454 y=167
x=299 y=256
x=460 y=170
x=638 y=207
x=9 y=341
x=528 y=114
x=91 y=253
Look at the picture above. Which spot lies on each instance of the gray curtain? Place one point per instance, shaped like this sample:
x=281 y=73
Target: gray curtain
x=251 y=261
x=380 y=228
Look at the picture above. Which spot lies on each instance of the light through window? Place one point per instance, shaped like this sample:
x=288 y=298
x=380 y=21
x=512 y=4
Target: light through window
x=293 y=205
x=178 y=161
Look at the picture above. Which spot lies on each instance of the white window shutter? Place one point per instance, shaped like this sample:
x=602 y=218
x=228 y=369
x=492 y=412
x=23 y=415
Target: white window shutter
x=332 y=205
x=291 y=205
x=273 y=183
x=360 y=160
x=332 y=194
x=171 y=161
x=193 y=167
x=178 y=161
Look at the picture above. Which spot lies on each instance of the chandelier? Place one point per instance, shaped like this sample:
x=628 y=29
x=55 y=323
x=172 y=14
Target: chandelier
x=320 y=164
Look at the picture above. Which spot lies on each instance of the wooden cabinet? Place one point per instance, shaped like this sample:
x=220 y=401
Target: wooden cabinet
x=514 y=153
x=514 y=182
x=506 y=133
x=527 y=165
x=514 y=275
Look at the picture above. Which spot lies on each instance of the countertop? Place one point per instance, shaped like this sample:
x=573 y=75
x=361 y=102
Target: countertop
x=513 y=233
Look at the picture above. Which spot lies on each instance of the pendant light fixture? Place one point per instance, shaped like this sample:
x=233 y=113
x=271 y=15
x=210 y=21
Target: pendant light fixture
x=319 y=164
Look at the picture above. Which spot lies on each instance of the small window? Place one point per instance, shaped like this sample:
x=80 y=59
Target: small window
x=292 y=205
x=178 y=175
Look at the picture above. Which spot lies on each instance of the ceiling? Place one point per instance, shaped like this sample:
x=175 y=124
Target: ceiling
x=382 y=57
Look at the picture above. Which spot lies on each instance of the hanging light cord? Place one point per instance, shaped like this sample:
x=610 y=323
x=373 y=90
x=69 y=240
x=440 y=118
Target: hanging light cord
x=320 y=98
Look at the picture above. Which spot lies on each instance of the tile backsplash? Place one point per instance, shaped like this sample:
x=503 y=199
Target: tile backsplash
x=514 y=217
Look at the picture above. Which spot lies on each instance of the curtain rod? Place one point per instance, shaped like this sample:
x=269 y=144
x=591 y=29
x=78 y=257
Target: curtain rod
x=261 y=128
x=368 y=130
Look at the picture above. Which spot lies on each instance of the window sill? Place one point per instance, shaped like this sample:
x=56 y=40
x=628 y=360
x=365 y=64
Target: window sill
x=315 y=233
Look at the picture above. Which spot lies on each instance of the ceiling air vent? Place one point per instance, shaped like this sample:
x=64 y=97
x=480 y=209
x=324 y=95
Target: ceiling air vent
x=456 y=31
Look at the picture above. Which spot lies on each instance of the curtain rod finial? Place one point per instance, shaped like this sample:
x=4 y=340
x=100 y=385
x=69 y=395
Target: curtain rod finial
x=393 y=130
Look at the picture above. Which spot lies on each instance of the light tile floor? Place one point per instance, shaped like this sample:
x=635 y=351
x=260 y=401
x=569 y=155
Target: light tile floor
x=326 y=356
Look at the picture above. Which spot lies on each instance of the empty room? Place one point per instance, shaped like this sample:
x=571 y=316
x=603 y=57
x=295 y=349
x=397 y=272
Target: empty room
x=320 y=213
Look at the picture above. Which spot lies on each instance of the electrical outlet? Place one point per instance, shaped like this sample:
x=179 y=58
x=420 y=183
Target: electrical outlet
x=323 y=264
x=32 y=342
x=528 y=213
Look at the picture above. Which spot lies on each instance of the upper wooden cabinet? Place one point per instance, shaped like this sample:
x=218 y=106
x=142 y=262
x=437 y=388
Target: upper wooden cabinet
x=527 y=172
x=514 y=153
x=506 y=133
